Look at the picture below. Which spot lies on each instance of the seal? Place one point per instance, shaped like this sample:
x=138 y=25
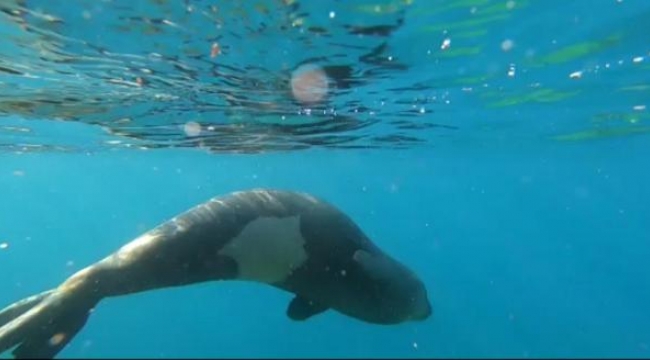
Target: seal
x=290 y=240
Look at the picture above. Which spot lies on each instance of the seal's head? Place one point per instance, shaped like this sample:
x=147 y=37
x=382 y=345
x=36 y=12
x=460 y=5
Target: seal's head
x=386 y=292
x=345 y=271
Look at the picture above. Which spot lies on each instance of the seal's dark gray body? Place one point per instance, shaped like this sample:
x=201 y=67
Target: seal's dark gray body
x=289 y=240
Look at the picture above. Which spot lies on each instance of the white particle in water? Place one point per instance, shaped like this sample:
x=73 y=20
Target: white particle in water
x=415 y=345
x=510 y=5
x=57 y=339
x=639 y=107
x=169 y=22
x=422 y=110
x=332 y=14
x=507 y=45
x=390 y=58
x=511 y=71
x=576 y=75
x=50 y=18
x=445 y=44
x=637 y=59
x=4 y=245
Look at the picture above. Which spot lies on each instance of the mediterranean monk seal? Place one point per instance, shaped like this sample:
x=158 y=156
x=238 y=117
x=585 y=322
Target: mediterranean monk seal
x=289 y=240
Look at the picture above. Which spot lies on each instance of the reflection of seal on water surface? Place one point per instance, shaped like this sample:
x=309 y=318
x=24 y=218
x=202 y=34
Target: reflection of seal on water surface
x=289 y=240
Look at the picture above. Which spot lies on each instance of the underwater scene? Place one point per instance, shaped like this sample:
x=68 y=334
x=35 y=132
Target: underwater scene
x=324 y=179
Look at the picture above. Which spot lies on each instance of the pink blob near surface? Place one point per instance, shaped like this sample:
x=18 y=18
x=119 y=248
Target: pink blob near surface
x=309 y=84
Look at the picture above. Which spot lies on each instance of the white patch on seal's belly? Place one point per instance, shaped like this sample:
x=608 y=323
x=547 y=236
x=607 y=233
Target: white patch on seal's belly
x=268 y=249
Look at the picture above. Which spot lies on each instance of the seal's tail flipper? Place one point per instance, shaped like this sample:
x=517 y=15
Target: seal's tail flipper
x=20 y=307
x=42 y=325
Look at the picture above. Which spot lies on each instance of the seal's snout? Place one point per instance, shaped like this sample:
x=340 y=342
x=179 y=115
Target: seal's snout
x=423 y=312
x=420 y=306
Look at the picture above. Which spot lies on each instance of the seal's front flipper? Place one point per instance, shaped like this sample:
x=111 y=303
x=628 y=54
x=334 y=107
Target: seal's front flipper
x=302 y=309
x=46 y=328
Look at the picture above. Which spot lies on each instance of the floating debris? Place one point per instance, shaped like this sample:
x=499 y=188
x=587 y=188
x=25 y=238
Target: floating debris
x=576 y=75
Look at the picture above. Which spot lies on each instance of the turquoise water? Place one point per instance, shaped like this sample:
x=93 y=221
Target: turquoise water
x=509 y=169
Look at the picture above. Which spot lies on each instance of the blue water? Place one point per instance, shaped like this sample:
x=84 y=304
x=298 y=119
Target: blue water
x=527 y=218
